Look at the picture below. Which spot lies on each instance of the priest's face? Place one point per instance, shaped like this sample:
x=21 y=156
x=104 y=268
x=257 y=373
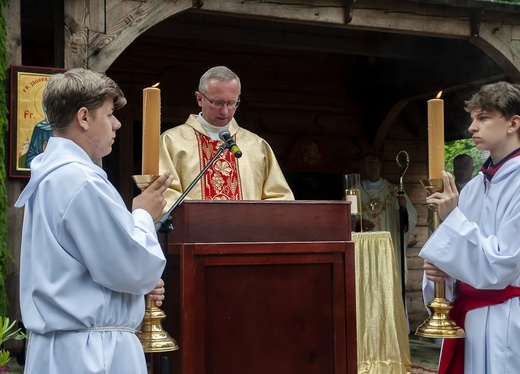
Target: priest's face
x=218 y=101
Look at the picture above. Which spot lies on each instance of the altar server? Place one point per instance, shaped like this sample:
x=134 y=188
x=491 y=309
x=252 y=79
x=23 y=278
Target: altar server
x=476 y=247
x=86 y=261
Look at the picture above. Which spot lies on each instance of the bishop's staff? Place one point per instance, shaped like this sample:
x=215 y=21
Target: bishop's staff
x=403 y=160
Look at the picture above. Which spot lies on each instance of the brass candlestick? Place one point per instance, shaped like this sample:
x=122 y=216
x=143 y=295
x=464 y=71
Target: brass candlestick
x=152 y=335
x=439 y=324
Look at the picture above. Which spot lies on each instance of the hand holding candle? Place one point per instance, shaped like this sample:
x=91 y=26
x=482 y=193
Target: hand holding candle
x=151 y=129
x=435 y=137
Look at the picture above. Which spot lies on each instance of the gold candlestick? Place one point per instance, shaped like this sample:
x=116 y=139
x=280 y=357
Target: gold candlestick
x=151 y=334
x=439 y=324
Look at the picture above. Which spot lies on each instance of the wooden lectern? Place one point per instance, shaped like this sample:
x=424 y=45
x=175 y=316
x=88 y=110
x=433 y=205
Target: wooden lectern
x=261 y=287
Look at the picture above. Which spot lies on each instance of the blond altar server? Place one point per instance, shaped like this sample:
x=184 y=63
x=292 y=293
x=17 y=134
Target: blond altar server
x=186 y=149
x=86 y=261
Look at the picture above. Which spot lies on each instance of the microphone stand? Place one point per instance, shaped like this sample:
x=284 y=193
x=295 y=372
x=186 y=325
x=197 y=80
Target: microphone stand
x=165 y=224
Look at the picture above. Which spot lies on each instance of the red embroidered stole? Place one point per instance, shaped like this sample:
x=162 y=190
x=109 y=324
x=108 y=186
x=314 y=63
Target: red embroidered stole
x=222 y=180
x=468 y=298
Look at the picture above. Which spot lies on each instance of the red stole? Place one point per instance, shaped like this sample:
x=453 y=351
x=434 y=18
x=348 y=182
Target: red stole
x=222 y=180
x=468 y=298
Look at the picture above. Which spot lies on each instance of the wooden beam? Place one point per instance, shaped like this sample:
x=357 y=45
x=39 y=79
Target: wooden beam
x=497 y=41
x=476 y=18
x=411 y=23
x=92 y=43
x=322 y=38
x=349 y=8
x=59 y=33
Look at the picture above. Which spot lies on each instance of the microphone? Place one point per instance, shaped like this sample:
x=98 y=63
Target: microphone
x=225 y=135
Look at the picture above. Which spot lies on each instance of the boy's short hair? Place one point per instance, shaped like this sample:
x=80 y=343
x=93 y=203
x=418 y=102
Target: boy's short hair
x=65 y=93
x=503 y=97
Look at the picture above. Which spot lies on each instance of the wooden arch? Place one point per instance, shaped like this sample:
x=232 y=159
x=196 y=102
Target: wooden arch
x=97 y=31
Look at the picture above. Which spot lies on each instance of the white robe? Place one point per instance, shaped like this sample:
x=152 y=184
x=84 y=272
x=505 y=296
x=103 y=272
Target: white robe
x=86 y=262
x=478 y=244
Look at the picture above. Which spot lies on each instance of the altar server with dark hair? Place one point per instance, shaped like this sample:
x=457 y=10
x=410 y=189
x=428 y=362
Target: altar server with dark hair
x=476 y=248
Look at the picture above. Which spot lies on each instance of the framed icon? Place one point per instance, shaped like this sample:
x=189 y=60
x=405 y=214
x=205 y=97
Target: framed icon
x=29 y=129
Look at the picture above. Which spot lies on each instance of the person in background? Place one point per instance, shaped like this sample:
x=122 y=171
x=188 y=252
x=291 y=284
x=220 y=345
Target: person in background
x=475 y=249
x=186 y=149
x=86 y=261
x=462 y=170
x=380 y=204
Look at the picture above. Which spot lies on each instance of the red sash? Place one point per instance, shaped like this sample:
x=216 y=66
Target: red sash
x=222 y=180
x=468 y=298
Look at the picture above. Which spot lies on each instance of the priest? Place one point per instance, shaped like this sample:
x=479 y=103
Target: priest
x=186 y=149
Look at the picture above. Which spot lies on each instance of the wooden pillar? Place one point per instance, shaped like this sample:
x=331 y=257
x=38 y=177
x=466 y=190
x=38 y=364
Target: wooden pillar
x=14 y=186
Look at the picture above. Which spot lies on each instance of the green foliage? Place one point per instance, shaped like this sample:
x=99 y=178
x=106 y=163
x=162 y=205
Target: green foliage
x=457 y=147
x=4 y=253
x=7 y=332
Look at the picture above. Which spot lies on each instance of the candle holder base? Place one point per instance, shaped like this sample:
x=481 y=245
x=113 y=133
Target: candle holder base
x=439 y=324
x=152 y=336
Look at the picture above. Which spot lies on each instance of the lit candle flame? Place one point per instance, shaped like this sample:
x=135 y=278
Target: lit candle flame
x=157 y=85
x=437 y=97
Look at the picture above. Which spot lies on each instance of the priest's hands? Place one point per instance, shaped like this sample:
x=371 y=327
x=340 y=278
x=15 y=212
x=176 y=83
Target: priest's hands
x=152 y=199
x=446 y=200
x=433 y=273
x=157 y=294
